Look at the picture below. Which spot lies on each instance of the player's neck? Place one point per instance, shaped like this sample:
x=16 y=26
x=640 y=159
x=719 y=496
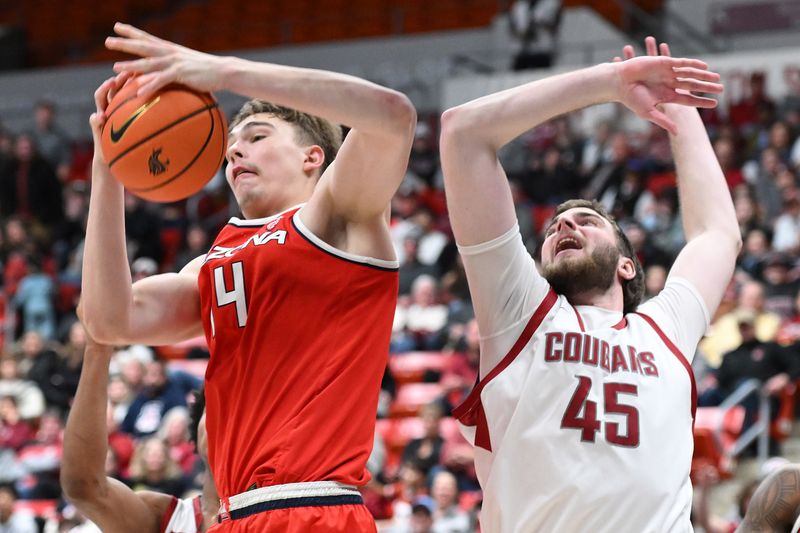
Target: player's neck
x=610 y=299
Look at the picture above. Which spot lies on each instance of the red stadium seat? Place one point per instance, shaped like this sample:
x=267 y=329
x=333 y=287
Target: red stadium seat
x=411 y=367
x=43 y=508
x=412 y=396
x=710 y=449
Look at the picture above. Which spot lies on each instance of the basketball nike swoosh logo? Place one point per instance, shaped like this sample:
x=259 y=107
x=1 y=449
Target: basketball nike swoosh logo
x=116 y=134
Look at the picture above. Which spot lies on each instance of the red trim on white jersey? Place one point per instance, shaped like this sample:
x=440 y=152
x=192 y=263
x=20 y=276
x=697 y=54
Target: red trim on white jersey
x=682 y=358
x=580 y=320
x=470 y=412
x=167 y=516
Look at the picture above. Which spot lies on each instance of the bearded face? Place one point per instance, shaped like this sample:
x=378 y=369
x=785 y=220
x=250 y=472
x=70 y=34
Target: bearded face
x=579 y=274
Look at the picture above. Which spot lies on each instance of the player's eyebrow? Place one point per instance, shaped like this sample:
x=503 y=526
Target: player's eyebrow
x=579 y=214
x=251 y=125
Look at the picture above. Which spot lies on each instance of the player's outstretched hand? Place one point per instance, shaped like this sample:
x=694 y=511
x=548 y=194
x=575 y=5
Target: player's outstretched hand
x=648 y=82
x=163 y=62
x=102 y=97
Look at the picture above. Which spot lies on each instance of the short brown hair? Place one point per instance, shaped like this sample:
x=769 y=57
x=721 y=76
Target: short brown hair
x=632 y=289
x=311 y=130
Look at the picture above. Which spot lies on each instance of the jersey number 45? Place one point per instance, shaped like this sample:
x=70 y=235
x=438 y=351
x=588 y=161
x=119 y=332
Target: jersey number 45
x=588 y=423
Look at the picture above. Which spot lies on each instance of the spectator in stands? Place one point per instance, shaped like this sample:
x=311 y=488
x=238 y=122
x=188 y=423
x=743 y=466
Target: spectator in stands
x=754 y=252
x=724 y=334
x=411 y=267
x=34 y=297
x=786 y=236
x=51 y=141
x=41 y=460
x=120 y=397
x=14 y=431
x=197 y=244
x=461 y=372
x=774 y=366
x=120 y=446
x=447 y=516
x=421 y=519
x=28 y=396
x=789 y=332
x=409 y=488
x=142 y=225
x=12 y=521
x=153 y=469
x=160 y=394
x=68 y=235
x=704 y=479
x=143 y=267
x=29 y=187
x=765 y=184
x=780 y=285
x=655 y=277
x=430 y=241
x=174 y=432
x=726 y=155
x=419 y=325
x=425 y=451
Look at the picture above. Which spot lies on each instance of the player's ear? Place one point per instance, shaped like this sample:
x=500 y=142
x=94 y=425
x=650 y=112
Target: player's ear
x=314 y=158
x=626 y=269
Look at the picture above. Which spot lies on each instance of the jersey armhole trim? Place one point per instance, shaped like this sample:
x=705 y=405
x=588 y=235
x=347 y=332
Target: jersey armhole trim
x=380 y=264
x=198 y=512
x=167 y=516
x=681 y=359
x=470 y=412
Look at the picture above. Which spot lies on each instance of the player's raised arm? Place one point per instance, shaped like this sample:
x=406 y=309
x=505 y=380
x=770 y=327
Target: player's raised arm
x=109 y=503
x=709 y=221
x=479 y=200
x=373 y=158
x=158 y=310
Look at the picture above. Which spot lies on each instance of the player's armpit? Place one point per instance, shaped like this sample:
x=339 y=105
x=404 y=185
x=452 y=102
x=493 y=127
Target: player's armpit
x=121 y=510
x=707 y=262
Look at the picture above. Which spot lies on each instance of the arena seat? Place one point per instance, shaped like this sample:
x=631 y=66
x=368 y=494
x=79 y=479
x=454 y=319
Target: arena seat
x=42 y=508
x=412 y=396
x=411 y=367
x=713 y=448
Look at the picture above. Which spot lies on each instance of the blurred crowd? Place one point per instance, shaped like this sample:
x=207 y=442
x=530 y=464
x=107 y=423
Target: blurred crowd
x=423 y=479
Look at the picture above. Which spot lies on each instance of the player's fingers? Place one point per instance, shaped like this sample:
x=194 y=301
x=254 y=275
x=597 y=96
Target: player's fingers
x=617 y=59
x=150 y=83
x=628 y=52
x=694 y=101
x=657 y=117
x=144 y=65
x=650 y=45
x=697 y=86
x=684 y=62
x=100 y=99
x=696 y=73
x=664 y=48
x=127 y=30
x=119 y=82
x=137 y=47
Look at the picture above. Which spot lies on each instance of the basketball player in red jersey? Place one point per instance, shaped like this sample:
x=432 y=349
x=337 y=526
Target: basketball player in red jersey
x=107 y=502
x=296 y=299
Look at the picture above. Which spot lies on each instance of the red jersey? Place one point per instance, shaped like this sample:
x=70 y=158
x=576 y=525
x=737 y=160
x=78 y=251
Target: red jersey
x=299 y=338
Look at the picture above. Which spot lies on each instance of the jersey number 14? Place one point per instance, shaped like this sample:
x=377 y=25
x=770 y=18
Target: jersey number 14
x=588 y=422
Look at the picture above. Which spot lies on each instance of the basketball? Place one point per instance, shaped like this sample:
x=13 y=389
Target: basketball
x=167 y=146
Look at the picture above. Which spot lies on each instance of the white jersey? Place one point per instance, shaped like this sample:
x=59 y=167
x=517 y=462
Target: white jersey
x=183 y=516
x=582 y=419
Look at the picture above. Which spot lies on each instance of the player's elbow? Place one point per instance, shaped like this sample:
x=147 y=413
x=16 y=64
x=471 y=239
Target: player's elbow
x=459 y=127
x=101 y=330
x=402 y=115
x=80 y=488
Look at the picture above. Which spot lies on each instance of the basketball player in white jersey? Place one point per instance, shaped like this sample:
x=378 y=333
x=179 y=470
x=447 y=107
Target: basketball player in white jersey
x=107 y=502
x=582 y=418
x=775 y=506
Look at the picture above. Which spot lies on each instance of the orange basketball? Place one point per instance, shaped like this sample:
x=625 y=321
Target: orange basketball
x=167 y=146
